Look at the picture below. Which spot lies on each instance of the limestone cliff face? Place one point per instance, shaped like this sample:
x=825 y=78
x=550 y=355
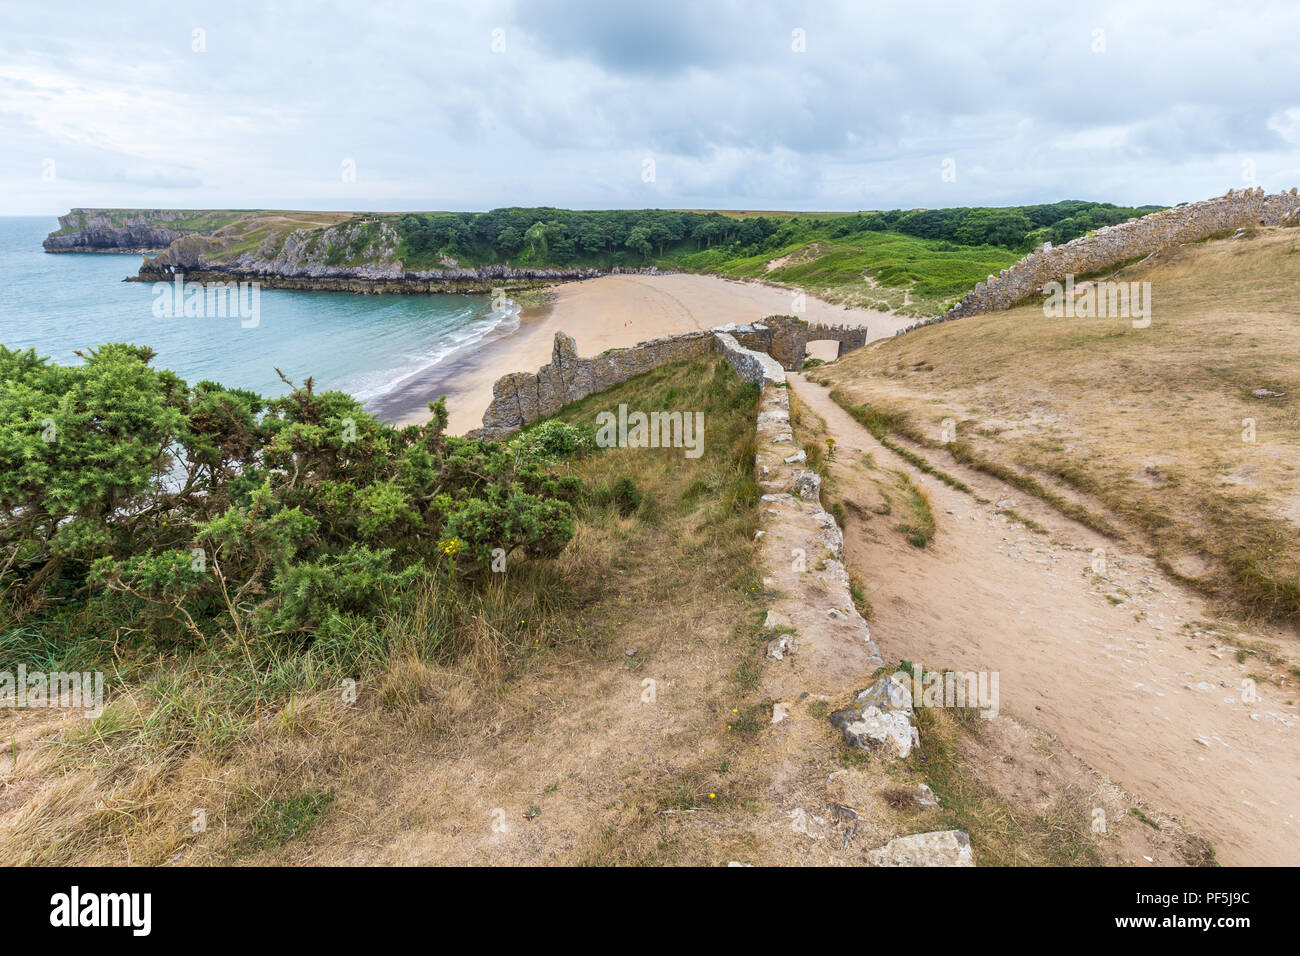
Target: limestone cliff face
x=350 y=256
x=348 y=250
x=294 y=250
x=100 y=230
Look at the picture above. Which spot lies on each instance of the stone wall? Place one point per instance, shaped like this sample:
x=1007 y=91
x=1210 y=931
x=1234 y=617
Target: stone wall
x=523 y=397
x=752 y=366
x=1112 y=245
x=786 y=338
x=812 y=596
x=757 y=352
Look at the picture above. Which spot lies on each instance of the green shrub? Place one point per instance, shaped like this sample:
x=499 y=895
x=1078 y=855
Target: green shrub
x=626 y=495
x=190 y=510
x=553 y=440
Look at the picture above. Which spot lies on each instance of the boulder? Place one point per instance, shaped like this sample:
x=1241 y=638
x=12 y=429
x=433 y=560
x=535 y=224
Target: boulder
x=807 y=485
x=881 y=718
x=779 y=648
x=939 y=848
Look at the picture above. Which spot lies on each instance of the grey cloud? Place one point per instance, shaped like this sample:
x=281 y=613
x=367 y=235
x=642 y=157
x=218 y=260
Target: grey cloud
x=583 y=91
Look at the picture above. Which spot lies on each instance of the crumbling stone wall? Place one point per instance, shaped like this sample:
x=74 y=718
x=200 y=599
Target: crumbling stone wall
x=523 y=397
x=786 y=338
x=1111 y=245
x=751 y=365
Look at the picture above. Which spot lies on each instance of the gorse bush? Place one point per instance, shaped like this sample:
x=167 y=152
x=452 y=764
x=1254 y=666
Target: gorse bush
x=626 y=495
x=201 y=509
x=554 y=440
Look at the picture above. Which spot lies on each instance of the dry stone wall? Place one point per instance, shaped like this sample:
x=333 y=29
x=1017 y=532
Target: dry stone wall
x=813 y=615
x=759 y=352
x=752 y=366
x=1111 y=245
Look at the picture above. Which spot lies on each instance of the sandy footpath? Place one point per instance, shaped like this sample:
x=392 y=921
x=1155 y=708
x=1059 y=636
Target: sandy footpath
x=1143 y=689
x=613 y=311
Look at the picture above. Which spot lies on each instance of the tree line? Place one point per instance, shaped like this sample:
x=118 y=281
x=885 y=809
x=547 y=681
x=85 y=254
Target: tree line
x=549 y=236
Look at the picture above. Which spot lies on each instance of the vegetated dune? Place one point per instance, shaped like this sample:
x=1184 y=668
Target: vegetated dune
x=1183 y=435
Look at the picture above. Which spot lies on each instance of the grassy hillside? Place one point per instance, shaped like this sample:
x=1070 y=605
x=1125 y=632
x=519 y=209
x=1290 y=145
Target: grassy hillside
x=248 y=232
x=205 y=705
x=601 y=705
x=240 y=221
x=873 y=270
x=1162 y=433
x=915 y=262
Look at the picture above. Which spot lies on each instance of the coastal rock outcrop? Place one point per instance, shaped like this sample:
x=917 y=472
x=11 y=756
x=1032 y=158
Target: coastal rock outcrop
x=119 y=231
x=360 y=256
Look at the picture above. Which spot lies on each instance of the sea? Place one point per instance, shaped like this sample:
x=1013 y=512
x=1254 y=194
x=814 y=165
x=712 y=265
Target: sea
x=366 y=345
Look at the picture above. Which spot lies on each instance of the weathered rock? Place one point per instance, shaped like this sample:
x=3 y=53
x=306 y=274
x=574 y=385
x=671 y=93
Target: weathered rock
x=94 y=230
x=776 y=620
x=807 y=485
x=939 y=848
x=881 y=719
x=779 y=648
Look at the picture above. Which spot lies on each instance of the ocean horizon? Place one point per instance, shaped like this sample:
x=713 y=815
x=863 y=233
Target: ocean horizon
x=365 y=345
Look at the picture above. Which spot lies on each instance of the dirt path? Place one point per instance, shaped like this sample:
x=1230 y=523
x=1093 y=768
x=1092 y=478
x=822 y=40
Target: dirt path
x=1117 y=665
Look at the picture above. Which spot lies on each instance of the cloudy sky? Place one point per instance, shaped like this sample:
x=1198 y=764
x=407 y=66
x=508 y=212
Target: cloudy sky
x=760 y=104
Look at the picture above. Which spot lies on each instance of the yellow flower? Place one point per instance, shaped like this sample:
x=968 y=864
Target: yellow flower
x=451 y=546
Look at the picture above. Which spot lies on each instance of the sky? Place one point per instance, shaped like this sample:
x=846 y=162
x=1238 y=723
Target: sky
x=761 y=104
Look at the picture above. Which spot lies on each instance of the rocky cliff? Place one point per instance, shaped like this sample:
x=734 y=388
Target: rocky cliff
x=332 y=251
x=350 y=256
x=116 y=230
x=358 y=255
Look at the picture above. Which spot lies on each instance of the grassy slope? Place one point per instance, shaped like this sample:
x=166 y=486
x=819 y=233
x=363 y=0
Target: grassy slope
x=198 y=220
x=518 y=694
x=881 y=270
x=1141 y=428
x=260 y=735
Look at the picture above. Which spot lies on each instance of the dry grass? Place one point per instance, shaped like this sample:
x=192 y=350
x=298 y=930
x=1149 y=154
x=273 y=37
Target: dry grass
x=1132 y=431
x=531 y=660
x=543 y=728
x=1026 y=803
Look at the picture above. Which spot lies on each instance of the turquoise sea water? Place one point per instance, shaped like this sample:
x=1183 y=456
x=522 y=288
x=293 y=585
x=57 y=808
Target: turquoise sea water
x=362 y=344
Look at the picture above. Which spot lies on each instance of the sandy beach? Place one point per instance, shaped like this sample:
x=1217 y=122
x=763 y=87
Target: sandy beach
x=614 y=311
